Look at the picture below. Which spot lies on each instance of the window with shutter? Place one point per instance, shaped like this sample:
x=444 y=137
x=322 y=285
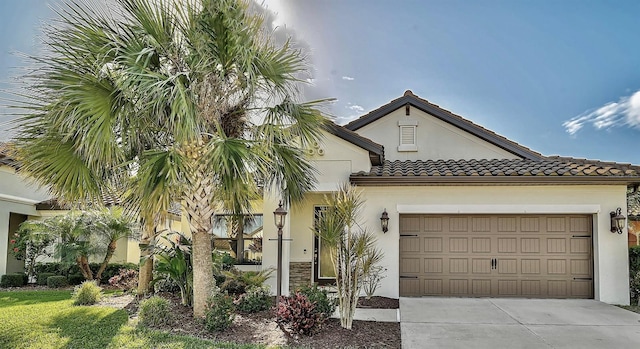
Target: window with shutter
x=407 y=135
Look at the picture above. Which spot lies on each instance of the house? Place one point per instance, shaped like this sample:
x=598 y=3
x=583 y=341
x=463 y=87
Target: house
x=18 y=201
x=471 y=213
x=21 y=199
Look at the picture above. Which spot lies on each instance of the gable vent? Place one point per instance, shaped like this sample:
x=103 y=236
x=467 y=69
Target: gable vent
x=407 y=135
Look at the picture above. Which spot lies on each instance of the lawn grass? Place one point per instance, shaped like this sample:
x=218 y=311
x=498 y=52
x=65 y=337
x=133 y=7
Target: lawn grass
x=47 y=319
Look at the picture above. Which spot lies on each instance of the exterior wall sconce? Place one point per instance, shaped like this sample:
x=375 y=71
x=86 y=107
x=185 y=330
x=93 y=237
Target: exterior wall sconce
x=384 y=221
x=278 y=217
x=617 y=221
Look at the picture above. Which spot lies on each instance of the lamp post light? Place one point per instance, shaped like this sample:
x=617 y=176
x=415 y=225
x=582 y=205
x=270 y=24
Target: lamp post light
x=278 y=217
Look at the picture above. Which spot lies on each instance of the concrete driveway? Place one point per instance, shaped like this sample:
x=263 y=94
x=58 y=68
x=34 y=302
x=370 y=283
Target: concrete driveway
x=516 y=323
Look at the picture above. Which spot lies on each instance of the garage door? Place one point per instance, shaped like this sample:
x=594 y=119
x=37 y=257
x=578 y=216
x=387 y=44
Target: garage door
x=537 y=256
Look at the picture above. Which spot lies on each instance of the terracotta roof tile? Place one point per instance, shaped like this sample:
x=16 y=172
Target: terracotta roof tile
x=496 y=168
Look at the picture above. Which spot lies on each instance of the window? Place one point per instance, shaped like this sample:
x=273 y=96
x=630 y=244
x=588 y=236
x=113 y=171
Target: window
x=323 y=267
x=408 y=135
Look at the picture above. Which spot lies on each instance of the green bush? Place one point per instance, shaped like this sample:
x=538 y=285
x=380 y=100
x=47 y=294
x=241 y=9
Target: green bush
x=87 y=293
x=634 y=288
x=254 y=300
x=164 y=283
x=75 y=279
x=237 y=282
x=324 y=305
x=12 y=280
x=58 y=268
x=57 y=281
x=42 y=278
x=154 y=312
x=25 y=277
x=218 y=314
x=634 y=260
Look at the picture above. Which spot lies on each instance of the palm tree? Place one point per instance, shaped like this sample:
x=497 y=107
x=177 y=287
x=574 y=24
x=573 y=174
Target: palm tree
x=175 y=100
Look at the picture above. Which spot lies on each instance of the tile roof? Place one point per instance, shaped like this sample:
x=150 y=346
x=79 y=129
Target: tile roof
x=547 y=170
x=7 y=155
x=446 y=116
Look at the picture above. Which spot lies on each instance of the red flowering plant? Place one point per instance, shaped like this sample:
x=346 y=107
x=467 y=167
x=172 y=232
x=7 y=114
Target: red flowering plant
x=31 y=243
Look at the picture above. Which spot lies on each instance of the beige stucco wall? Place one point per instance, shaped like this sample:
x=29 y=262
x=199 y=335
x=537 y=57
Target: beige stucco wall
x=435 y=139
x=335 y=159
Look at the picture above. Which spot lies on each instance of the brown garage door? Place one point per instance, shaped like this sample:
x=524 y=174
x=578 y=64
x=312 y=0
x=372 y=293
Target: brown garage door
x=538 y=256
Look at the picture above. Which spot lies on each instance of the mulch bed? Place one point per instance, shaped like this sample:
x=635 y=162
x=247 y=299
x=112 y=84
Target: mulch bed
x=261 y=328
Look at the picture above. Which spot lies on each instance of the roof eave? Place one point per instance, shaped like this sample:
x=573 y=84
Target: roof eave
x=488 y=180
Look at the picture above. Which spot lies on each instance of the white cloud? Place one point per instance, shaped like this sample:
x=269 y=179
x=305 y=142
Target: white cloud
x=348 y=78
x=356 y=108
x=625 y=112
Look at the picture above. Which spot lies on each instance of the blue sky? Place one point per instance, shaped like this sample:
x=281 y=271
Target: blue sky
x=560 y=77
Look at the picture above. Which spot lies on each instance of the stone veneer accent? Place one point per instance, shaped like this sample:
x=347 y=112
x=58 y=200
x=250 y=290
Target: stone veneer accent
x=299 y=275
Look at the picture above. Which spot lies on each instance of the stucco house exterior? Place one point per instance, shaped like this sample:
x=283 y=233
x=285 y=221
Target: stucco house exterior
x=471 y=213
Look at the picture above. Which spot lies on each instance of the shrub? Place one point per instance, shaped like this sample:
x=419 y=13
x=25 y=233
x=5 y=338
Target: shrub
x=12 y=280
x=126 y=279
x=164 y=283
x=58 y=268
x=325 y=305
x=634 y=260
x=42 y=278
x=57 y=281
x=299 y=314
x=634 y=288
x=154 y=312
x=218 y=314
x=372 y=279
x=87 y=293
x=254 y=300
x=237 y=282
x=75 y=279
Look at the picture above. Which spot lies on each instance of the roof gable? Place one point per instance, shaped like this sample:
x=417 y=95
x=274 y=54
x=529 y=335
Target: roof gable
x=409 y=99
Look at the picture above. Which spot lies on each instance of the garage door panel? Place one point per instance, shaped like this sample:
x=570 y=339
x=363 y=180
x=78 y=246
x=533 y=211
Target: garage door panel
x=580 y=245
x=530 y=245
x=433 y=265
x=481 y=287
x=458 y=245
x=556 y=245
x=507 y=266
x=458 y=266
x=481 y=245
x=507 y=245
x=410 y=265
x=433 y=287
x=409 y=244
x=481 y=265
x=530 y=266
x=499 y=256
x=433 y=244
x=410 y=287
x=556 y=224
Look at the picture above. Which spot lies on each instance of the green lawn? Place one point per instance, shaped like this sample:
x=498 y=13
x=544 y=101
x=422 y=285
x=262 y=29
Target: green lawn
x=47 y=319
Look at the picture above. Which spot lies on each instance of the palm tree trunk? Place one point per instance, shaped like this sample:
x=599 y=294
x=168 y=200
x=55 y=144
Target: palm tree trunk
x=240 y=240
x=107 y=257
x=145 y=275
x=83 y=264
x=199 y=214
